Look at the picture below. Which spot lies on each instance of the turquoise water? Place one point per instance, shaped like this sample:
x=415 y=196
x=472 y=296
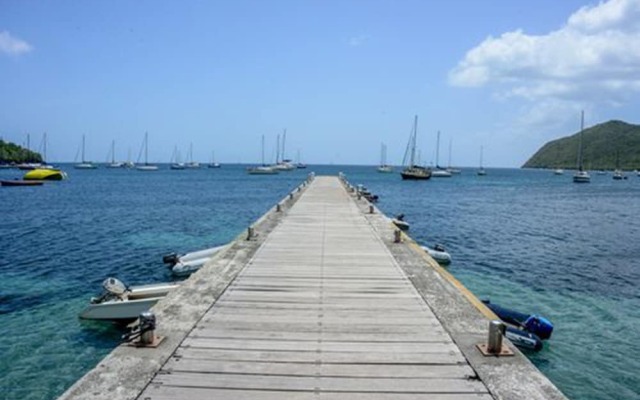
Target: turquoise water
x=525 y=239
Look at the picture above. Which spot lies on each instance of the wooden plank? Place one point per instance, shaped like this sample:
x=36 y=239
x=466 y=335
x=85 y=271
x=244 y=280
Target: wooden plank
x=313 y=369
x=305 y=383
x=159 y=392
x=441 y=346
x=327 y=315
x=325 y=358
x=217 y=332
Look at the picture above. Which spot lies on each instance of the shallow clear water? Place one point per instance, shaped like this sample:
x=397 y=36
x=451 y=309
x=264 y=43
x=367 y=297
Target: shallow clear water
x=526 y=239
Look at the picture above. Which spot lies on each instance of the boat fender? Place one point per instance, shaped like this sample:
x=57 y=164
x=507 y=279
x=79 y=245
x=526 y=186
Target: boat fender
x=540 y=326
x=171 y=259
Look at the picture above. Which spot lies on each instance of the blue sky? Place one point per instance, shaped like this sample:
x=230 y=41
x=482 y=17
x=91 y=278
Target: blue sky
x=341 y=76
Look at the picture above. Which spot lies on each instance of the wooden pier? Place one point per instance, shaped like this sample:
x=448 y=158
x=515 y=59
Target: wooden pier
x=321 y=309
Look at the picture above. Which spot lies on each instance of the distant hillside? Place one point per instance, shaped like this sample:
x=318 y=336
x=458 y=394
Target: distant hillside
x=12 y=153
x=600 y=145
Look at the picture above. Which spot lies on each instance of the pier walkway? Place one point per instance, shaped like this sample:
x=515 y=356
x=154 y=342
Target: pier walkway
x=321 y=303
x=322 y=310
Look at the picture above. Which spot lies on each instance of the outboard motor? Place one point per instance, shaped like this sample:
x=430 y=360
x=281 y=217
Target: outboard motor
x=439 y=247
x=400 y=217
x=171 y=259
x=114 y=286
x=541 y=326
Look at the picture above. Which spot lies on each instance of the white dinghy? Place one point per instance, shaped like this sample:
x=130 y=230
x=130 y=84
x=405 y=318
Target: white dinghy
x=439 y=254
x=190 y=262
x=120 y=303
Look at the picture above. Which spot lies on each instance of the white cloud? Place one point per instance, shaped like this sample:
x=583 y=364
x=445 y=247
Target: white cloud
x=13 y=46
x=594 y=57
x=359 y=40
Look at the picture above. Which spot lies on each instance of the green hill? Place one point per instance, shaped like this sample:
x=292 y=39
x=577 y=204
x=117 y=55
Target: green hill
x=12 y=153
x=601 y=144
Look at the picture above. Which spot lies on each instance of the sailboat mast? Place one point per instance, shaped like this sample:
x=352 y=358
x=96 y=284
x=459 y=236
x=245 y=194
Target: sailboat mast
x=413 y=140
x=82 y=148
x=146 y=148
x=113 y=152
x=277 y=150
x=44 y=147
x=449 y=153
x=580 y=141
x=438 y=151
x=481 y=151
x=263 y=149
x=284 y=138
x=384 y=154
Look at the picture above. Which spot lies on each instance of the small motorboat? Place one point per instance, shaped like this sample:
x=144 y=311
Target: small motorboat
x=438 y=253
x=45 y=174
x=120 y=303
x=183 y=265
x=524 y=330
x=400 y=222
x=20 y=182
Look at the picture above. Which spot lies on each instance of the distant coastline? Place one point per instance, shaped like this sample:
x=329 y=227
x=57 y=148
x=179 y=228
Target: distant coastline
x=11 y=153
x=607 y=146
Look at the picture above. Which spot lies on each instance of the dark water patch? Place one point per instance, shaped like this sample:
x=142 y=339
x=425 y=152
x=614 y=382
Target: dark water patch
x=12 y=302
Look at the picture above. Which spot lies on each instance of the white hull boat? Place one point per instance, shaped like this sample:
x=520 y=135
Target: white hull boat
x=146 y=166
x=190 y=262
x=262 y=171
x=440 y=173
x=120 y=303
x=581 y=176
x=400 y=224
x=439 y=254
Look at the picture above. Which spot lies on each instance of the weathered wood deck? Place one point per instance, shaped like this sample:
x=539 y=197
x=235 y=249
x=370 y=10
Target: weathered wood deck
x=322 y=310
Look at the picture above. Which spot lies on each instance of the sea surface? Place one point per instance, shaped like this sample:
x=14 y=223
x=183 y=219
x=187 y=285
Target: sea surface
x=525 y=239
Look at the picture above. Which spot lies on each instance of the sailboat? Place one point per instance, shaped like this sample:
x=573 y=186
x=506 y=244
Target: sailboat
x=175 y=159
x=452 y=170
x=299 y=164
x=439 y=172
x=263 y=169
x=412 y=171
x=84 y=164
x=384 y=168
x=191 y=164
x=112 y=152
x=27 y=166
x=213 y=163
x=558 y=171
x=129 y=163
x=283 y=164
x=581 y=176
x=44 y=164
x=146 y=166
x=481 y=170
x=618 y=174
